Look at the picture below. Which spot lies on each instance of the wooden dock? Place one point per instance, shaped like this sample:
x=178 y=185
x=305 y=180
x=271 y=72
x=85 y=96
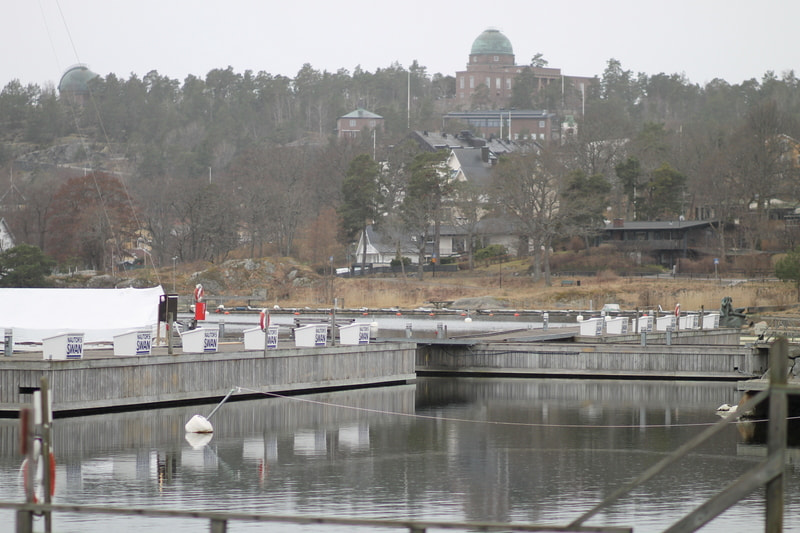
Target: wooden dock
x=101 y=382
x=689 y=356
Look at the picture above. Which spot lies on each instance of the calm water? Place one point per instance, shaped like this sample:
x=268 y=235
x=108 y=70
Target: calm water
x=536 y=451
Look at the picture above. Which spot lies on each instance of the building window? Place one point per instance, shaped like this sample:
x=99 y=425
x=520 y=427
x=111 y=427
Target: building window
x=472 y=82
x=352 y=123
x=496 y=58
x=508 y=84
x=461 y=79
x=541 y=124
x=371 y=123
x=488 y=82
x=498 y=83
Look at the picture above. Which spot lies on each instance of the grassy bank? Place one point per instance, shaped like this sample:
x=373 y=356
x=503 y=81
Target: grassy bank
x=520 y=292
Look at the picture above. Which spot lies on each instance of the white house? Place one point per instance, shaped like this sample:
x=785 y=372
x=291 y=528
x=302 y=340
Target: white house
x=6 y=237
x=381 y=248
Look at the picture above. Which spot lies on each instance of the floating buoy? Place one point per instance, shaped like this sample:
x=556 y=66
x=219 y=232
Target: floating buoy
x=516 y=314
x=678 y=309
x=431 y=314
x=263 y=320
x=399 y=313
x=200 y=424
x=364 y=313
x=468 y=320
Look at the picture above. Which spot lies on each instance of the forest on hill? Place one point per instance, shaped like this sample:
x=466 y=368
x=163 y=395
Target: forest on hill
x=202 y=167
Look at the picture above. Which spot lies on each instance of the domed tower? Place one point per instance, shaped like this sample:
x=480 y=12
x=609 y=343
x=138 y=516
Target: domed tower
x=491 y=47
x=490 y=73
x=74 y=84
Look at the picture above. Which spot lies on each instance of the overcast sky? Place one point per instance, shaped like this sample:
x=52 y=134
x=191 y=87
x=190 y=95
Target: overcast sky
x=702 y=39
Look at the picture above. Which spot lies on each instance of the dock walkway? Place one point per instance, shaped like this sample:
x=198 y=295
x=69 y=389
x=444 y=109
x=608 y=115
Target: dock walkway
x=100 y=381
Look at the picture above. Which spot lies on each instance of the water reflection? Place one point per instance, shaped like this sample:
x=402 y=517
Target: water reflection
x=537 y=451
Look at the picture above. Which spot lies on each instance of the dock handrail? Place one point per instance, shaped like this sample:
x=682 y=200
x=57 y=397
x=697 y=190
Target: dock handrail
x=218 y=520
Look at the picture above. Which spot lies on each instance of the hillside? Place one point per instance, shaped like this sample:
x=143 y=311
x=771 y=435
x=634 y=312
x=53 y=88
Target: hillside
x=287 y=283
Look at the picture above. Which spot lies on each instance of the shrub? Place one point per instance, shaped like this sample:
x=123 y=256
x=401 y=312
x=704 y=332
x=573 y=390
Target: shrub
x=490 y=252
x=397 y=261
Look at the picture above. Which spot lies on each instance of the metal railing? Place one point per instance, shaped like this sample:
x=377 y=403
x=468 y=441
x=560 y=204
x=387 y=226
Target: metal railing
x=218 y=521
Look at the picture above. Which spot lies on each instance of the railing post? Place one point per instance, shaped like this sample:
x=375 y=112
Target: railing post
x=24 y=521
x=47 y=480
x=218 y=525
x=776 y=432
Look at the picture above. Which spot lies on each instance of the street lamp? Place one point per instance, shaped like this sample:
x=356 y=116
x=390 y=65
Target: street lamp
x=174 y=259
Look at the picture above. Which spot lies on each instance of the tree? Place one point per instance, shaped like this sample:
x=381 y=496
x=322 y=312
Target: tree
x=527 y=188
x=664 y=194
x=361 y=200
x=584 y=202
x=629 y=173
x=90 y=220
x=206 y=224
x=428 y=185
x=787 y=268
x=469 y=206
x=25 y=266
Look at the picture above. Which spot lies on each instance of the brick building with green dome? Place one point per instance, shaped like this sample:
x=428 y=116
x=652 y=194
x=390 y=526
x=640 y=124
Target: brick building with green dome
x=488 y=81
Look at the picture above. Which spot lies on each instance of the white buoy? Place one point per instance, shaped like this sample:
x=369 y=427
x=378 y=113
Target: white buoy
x=468 y=320
x=198 y=424
x=201 y=424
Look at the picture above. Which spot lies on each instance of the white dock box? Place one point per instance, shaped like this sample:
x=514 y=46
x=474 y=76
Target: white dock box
x=592 y=327
x=689 y=322
x=254 y=338
x=137 y=342
x=617 y=326
x=356 y=333
x=645 y=324
x=711 y=321
x=311 y=335
x=63 y=346
x=200 y=340
x=665 y=323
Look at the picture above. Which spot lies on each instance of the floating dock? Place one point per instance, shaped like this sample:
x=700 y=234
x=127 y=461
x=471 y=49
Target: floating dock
x=101 y=381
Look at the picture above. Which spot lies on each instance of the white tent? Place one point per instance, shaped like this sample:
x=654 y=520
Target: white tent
x=36 y=314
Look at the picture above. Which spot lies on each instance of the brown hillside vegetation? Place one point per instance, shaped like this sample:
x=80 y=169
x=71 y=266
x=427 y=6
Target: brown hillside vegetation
x=287 y=283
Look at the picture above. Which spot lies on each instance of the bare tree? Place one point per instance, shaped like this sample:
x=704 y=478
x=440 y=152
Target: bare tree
x=527 y=188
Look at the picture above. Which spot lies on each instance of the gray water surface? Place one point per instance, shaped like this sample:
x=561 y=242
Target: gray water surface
x=518 y=450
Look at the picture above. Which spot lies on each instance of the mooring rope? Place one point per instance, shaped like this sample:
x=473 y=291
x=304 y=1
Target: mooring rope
x=495 y=422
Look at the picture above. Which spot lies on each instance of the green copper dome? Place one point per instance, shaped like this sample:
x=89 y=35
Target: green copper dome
x=491 y=42
x=75 y=80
